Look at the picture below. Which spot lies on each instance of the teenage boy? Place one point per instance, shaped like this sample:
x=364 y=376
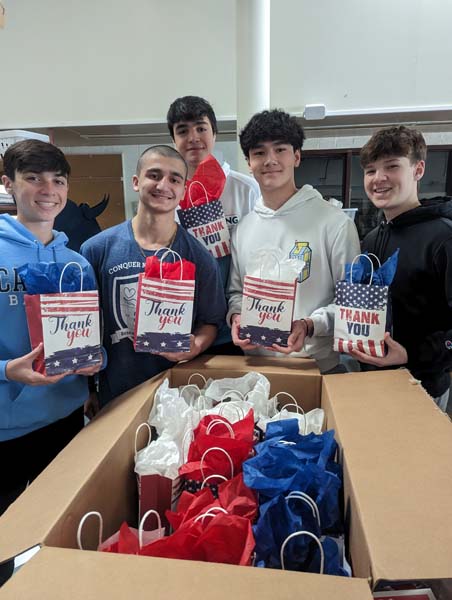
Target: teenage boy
x=39 y=414
x=394 y=161
x=193 y=127
x=302 y=225
x=118 y=256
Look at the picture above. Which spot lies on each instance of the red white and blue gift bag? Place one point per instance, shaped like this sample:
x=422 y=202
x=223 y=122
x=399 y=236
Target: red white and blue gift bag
x=360 y=315
x=267 y=311
x=205 y=220
x=164 y=314
x=68 y=325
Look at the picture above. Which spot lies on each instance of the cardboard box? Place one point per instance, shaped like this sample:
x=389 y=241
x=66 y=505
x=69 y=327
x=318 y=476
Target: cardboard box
x=376 y=416
x=54 y=574
x=396 y=448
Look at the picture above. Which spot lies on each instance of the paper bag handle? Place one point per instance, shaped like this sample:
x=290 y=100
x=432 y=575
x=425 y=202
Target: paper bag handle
x=142 y=522
x=371 y=265
x=239 y=411
x=197 y=375
x=173 y=254
x=189 y=190
x=297 y=406
x=214 y=476
x=139 y=428
x=82 y=522
x=267 y=254
x=298 y=495
x=298 y=534
x=215 y=422
x=209 y=513
x=210 y=450
x=227 y=395
x=72 y=262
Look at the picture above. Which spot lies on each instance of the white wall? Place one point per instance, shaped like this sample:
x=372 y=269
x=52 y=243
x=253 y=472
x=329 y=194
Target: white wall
x=354 y=54
x=109 y=61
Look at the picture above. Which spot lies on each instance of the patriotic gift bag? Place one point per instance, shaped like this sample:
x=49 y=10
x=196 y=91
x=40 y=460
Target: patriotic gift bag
x=164 y=313
x=66 y=322
x=205 y=220
x=268 y=299
x=361 y=307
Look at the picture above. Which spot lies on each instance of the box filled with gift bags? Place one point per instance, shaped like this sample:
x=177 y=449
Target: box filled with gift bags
x=96 y=472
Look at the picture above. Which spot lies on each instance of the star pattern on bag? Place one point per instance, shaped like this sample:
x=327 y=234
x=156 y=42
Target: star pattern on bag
x=200 y=215
x=358 y=295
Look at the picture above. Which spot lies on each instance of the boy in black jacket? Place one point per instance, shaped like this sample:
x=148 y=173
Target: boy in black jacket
x=394 y=161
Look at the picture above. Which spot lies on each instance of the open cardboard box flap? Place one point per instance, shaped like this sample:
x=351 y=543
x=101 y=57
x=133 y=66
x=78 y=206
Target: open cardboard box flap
x=56 y=573
x=397 y=449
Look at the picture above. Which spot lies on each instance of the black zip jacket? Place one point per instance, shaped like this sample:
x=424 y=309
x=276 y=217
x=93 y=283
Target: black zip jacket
x=422 y=288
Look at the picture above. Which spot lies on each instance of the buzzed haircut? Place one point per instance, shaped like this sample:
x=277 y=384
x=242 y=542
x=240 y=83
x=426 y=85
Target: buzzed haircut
x=271 y=126
x=190 y=108
x=394 y=141
x=34 y=156
x=162 y=150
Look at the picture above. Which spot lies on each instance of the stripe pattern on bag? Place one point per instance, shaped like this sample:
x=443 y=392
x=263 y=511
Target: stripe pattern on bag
x=360 y=318
x=267 y=311
x=164 y=315
x=70 y=329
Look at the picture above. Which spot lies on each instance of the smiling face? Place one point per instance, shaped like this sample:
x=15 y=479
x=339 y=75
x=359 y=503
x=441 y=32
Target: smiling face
x=195 y=140
x=39 y=197
x=160 y=183
x=272 y=164
x=391 y=184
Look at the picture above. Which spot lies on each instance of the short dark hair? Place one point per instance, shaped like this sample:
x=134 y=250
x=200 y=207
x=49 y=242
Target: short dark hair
x=271 y=126
x=35 y=156
x=190 y=108
x=394 y=141
x=161 y=150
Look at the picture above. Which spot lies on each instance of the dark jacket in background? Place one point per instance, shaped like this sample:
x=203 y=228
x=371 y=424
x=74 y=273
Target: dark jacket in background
x=422 y=288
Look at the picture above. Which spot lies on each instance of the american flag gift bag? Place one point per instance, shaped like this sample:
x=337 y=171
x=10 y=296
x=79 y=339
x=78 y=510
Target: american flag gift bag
x=164 y=314
x=205 y=220
x=268 y=302
x=68 y=325
x=360 y=315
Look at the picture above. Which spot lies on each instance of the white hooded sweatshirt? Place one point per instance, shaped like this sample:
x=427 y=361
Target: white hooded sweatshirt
x=323 y=237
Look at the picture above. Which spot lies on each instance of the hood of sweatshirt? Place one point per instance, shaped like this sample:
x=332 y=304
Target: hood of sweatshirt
x=304 y=196
x=17 y=234
x=430 y=208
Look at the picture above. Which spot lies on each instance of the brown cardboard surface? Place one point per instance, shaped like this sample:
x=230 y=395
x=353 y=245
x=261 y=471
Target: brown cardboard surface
x=54 y=574
x=94 y=472
x=398 y=453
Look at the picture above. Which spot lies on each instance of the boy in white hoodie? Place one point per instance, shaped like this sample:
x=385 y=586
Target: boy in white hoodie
x=302 y=225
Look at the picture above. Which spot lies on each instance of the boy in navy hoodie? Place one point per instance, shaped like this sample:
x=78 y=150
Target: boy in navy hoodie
x=394 y=161
x=39 y=415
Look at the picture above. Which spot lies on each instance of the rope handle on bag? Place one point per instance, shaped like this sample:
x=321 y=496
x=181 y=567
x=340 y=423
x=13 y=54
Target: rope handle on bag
x=371 y=265
x=139 y=428
x=215 y=422
x=197 y=375
x=173 y=254
x=188 y=435
x=82 y=522
x=297 y=406
x=210 y=450
x=202 y=186
x=299 y=495
x=239 y=410
x=214 y=476
x=64 y=269
x=142 y=522
x=298 y=534
x=209 y=513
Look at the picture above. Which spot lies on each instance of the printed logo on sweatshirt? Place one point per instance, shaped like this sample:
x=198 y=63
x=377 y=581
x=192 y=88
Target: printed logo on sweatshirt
x=124 y=301
x=302 y=252
x=11 y=283
x=448 y=344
